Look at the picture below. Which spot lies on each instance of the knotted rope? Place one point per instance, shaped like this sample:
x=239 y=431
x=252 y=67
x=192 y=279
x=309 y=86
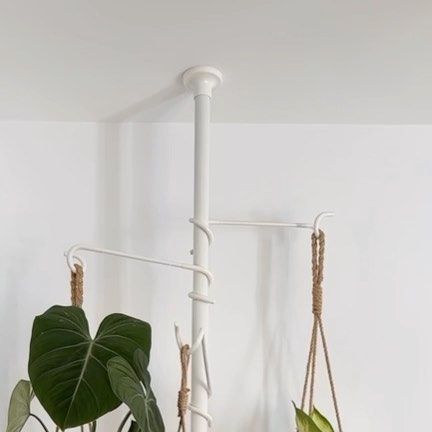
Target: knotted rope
x=77 y=286
x=183 y=394
x=318 y=249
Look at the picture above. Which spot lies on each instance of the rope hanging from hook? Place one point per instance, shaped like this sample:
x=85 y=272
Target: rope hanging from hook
x=183 y=394
x=318 y=249
x=77 y=286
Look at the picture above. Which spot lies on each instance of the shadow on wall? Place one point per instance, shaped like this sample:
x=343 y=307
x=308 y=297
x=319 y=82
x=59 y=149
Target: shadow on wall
x=109 y=209
x=268 y=336
x=116 y=170
x=274 y=297
x=131 y=170
x=156 y=107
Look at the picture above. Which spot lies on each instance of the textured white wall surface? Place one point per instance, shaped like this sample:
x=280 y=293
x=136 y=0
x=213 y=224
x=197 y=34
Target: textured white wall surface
x=130 y=187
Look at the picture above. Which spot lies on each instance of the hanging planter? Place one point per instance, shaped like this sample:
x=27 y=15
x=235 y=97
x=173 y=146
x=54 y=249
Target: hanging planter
x=314 y=421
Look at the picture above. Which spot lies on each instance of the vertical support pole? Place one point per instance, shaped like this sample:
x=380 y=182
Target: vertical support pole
x=201 y=80
x=200 y=310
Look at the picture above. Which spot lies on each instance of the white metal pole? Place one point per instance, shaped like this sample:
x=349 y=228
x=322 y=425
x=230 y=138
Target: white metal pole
x=201 y=80
x=200 y=311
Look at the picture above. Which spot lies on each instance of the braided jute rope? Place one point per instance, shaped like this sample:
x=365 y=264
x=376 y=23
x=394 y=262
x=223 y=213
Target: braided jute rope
x=77 y=286
x=183 y=394
x=318 y=249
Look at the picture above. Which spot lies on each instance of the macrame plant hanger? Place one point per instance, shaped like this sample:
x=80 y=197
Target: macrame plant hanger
x=318 y=333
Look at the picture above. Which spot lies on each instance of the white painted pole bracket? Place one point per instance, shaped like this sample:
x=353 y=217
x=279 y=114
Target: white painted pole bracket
x=202 y=80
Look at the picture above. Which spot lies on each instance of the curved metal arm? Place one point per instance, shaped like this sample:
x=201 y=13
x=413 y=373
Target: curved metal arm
x=71 y=257
x=315 y=226
x=318 y=220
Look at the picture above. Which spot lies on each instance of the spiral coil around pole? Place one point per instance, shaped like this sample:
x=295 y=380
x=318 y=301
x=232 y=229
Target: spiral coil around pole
x=201 y=340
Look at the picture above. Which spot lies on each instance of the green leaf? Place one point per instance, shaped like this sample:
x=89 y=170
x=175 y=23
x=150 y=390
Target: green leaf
x=19 y=406
x=134 y=427
x=304 y=422
x=133 y=388
x=67 y=367
x=140 y=363
x=322 y=423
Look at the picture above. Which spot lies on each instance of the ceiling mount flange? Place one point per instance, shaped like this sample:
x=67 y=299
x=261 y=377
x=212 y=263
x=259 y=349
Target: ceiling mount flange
x=201 y=80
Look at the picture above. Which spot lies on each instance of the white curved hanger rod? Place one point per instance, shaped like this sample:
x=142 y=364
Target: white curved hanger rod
x=315 y=226
x=72 y=256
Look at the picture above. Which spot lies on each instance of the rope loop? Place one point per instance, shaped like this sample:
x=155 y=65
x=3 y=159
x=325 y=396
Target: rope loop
x=77 y=286
x=183 y=394
x=318 y=249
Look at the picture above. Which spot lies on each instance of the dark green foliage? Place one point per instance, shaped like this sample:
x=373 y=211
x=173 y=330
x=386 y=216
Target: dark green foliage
x=68 y=369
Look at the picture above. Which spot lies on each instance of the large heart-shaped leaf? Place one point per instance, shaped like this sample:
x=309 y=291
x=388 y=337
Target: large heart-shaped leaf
x=322 y=423
x=67 y=367
x=304 y=422
x=19 y=406
x=133 y=388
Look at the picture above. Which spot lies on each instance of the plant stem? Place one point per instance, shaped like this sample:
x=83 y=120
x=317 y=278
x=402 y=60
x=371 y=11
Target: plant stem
x=40 y=421
x=125 y=419
x=94 y=426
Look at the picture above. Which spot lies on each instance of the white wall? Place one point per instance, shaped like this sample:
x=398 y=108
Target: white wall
x=130 y=187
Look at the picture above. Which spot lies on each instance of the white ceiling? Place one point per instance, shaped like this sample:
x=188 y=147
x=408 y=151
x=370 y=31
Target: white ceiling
x=287 y=61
